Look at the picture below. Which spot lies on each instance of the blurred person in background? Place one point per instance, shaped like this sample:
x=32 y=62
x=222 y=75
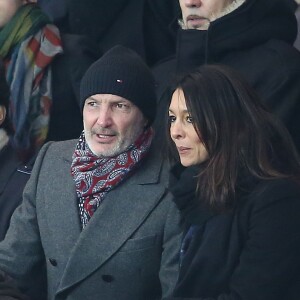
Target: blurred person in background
x=13 y=175
x=28 y=45
x=255 y=37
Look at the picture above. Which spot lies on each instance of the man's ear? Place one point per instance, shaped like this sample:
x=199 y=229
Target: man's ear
x=2 y=114
x=146 y=123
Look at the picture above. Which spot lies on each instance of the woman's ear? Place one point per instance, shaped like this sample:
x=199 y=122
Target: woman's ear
x=2 y=114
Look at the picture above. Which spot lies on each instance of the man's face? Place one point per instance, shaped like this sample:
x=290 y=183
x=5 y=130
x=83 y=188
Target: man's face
x=197 y=14
x=111 y=124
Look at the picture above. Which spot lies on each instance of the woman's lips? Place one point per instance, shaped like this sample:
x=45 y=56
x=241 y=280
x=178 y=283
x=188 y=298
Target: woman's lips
x=183 y=150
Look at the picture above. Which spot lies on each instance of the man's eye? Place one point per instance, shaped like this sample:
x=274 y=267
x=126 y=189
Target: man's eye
x=91 y=103
x=120 y=105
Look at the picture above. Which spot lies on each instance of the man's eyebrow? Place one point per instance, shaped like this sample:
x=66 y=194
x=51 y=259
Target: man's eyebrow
x=91 y=98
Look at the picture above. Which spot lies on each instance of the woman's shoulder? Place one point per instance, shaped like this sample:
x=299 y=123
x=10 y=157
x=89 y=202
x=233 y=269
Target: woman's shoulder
x=278 y=186
x=269 y=191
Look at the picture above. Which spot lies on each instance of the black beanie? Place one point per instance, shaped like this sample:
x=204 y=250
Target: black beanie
x=121 y=72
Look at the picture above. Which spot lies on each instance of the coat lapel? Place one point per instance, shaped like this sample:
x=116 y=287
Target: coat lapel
x=62 y=208
x=110 y=226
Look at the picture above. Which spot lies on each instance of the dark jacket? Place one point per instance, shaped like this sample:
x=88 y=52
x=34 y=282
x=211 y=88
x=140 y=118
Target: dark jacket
x=297 y=41
x=256 y=39
x=90 y=28
x=13 y=177
x=141 y=25
x=67 y=70
x=249 y=252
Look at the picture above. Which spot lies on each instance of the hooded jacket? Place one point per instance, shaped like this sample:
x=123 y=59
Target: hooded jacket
x=255 y=39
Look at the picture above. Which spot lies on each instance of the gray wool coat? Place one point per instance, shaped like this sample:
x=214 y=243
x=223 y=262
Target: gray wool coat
x=128 y=250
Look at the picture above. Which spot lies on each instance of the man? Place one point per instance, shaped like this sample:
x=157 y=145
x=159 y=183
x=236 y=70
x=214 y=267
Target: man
x=96 y=209
x=253 y=36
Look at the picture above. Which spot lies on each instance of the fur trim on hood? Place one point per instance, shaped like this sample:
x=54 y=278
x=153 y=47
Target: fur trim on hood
x=235 y=4
x=230 y=8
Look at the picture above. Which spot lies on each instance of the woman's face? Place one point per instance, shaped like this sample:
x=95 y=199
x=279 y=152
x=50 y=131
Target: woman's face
x=190 y=148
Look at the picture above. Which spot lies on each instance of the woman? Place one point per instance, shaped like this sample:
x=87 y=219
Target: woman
x=236 y=184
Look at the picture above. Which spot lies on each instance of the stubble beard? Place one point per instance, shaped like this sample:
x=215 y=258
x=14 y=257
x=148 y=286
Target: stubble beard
x=122 y=144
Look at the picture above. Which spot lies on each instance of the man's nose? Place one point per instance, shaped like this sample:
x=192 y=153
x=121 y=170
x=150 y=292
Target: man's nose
x=192 y=3
x=104 y=117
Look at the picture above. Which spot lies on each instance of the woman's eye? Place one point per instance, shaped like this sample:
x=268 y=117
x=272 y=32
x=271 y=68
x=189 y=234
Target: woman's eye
x=189 y=119
x=172 y=119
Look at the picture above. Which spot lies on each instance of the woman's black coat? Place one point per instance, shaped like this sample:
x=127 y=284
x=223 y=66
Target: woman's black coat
x=251 y=252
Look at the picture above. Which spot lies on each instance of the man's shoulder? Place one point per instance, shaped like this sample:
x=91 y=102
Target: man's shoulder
x=61 y=145
x=152 y=168
x=59 y=148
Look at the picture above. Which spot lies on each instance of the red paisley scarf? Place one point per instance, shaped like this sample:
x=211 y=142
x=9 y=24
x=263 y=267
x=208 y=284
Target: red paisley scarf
x=95 y=176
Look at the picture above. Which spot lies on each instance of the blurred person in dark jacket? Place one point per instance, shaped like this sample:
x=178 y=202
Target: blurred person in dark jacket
x=13 y=175
x=142 y=25
x=255 y=37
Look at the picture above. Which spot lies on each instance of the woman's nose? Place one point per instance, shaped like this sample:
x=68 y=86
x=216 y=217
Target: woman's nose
x=176 y=130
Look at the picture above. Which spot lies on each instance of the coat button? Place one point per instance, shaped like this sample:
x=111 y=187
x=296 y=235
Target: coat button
x=53 y=262
x=107 y=278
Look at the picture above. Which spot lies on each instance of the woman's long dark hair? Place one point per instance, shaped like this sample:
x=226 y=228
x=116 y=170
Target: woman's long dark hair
x=239 y=134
